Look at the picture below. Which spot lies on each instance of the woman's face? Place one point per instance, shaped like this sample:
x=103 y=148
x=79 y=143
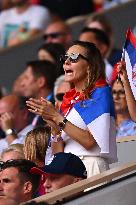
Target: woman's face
x=119 y=97
x=44 y=55
x=76 y=71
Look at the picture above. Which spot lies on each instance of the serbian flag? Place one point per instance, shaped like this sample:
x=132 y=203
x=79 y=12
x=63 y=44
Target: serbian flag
x=129 y=55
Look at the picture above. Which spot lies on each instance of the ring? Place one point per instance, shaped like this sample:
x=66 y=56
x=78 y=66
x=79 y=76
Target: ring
x=36 y=110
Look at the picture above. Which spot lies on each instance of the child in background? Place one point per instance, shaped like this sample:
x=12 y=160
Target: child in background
x=36 y=144
x=35 y=147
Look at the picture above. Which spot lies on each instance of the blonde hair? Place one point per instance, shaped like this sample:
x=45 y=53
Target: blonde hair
x=19 y=148
x=36 y=143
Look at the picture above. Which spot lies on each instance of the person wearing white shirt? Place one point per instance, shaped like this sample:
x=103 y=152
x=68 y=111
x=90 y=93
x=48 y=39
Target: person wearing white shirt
x=14 y=120
x=22 y=22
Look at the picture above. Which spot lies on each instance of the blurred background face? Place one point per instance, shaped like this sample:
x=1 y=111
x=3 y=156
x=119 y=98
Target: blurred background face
x=55 y=33
x=29 y=83
x=10 y=155
x=44 y=55
x=55 y=182
x=9 y=104
x=90 y=37
x=119 y=97
x=61 y=90
x=12 y=186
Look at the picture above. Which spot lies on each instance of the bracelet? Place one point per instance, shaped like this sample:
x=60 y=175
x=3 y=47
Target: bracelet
x=62 y=124
x=56 y=139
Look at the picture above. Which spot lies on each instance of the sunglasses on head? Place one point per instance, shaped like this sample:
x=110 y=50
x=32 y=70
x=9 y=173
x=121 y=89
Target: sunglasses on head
x=73 y=57
x=59 y=96
x=2 y=163
x=53 y=35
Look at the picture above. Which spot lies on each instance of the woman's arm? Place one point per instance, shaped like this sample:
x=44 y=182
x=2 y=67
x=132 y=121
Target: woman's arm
x=48 y=112
x=57 y=143
x=131 y=102
x=83 y=137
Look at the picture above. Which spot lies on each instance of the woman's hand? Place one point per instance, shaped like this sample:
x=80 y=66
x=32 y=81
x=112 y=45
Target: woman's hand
x=44 y=108
x=121 y=70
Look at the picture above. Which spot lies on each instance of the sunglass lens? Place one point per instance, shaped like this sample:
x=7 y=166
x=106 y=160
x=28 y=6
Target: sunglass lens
x=74 y=57
x=59 y=96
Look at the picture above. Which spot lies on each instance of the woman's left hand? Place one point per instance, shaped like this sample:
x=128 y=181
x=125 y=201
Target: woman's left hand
x=43 y=108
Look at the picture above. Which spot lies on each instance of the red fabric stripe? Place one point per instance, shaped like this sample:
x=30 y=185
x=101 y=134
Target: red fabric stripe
x=130 y=36
x=76 y=97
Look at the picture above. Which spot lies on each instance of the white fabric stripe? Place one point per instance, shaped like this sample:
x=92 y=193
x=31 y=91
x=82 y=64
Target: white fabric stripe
x=102 y=129
x=129 y=73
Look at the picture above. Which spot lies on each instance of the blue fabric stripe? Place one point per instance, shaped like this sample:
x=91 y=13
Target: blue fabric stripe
x=130 y=49
x=100 y=102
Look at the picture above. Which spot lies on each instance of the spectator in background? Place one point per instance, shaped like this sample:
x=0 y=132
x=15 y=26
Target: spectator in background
x=52 y=52
x=65 y=169
x=5 y=4
x=35 y=145
x=65 y=9
x=22 y=22
x=14 y=151
x=38 y=79
x=131 y=102
x=101 y=22
x=60 y=88
x=17 y=89
x=58 y=32
x=16 y=181
x=102 y=42
x=14 y=121
x=125 y=126
x=48 y=52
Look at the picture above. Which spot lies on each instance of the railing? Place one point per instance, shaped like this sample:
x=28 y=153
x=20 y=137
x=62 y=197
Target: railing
x=79 y=187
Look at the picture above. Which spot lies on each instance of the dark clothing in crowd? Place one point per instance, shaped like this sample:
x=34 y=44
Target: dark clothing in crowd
x=67 y=8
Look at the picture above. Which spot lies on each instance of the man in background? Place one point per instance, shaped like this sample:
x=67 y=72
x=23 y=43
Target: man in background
x=58 y=32
x=16 y=181
x=14 y=120
x=22 y=22
x=65 y=169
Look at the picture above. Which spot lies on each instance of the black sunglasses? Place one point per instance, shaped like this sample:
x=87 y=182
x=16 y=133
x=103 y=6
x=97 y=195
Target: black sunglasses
x=59 y=96
x=73 y=57
x=53 y=35
x=2 y=163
